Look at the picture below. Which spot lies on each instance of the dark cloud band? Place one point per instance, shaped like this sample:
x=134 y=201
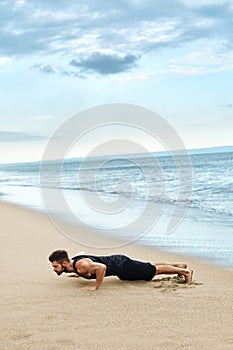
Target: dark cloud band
x=16 y=136
x=105 y=64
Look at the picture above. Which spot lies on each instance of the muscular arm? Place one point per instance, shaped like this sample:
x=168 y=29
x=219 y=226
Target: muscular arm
x=87 y=266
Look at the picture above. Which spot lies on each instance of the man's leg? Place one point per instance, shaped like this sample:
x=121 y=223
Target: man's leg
x=177 y=264
x=171 y=270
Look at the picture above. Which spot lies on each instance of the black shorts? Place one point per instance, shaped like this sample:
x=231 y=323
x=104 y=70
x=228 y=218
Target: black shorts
x=133 y=270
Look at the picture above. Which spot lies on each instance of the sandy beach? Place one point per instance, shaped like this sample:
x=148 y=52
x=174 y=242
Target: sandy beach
x=42 y=311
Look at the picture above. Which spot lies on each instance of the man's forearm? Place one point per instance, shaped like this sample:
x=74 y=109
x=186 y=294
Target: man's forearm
x=100 y=273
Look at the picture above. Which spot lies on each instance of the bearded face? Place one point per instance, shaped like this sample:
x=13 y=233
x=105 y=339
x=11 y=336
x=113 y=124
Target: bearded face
x=59 y=268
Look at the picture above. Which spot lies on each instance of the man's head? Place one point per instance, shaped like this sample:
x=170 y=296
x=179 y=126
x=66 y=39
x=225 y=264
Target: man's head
x=60 y=261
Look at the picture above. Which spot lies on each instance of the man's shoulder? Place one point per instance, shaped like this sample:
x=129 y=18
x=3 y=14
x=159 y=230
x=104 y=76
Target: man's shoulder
x=82 y=261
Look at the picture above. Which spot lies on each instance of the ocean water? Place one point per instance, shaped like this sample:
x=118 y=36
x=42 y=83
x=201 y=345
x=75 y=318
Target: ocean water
x=136 y=198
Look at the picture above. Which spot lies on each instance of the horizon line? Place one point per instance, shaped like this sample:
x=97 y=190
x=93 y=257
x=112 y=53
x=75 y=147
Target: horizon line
x=205 y=150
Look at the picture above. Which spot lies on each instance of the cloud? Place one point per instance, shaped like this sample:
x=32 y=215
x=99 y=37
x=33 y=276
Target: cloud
x=19 y=3
x=105 y=64
x=226 y=105
x=45 y=68
x=205 y=60
x=39 y=26
x=78 y=34
x=4 y=60
x=16 y=136
x=97 y=62
x=49 y=69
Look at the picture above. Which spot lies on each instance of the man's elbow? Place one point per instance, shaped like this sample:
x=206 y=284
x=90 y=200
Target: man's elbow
x=100 y=270
x=104 y=269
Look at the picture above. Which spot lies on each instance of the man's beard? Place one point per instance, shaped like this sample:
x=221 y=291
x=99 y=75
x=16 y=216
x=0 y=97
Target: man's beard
x=61 y=272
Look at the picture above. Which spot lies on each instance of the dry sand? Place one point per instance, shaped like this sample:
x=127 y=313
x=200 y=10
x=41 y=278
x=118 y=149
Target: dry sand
x=42 y=311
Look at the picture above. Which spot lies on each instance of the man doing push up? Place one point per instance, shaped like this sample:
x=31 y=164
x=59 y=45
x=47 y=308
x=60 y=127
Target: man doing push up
x=98 y=267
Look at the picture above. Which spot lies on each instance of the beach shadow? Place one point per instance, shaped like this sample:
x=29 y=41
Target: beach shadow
x=173 y=284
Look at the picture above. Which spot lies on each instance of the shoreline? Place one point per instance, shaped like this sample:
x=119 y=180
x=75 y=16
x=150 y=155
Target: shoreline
x=92 y=234
x=41 y=310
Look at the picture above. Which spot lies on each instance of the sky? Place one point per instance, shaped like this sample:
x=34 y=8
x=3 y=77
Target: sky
x=59 y=58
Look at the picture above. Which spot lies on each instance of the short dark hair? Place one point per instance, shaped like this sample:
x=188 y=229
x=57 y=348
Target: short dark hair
x=59 y=256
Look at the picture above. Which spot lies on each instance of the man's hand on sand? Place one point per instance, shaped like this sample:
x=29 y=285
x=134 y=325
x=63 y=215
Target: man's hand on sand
x=89 y=288
x=73 y=275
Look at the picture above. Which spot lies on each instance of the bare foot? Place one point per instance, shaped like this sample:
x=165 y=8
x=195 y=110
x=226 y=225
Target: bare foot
x=189 y=276
x=182 y=266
